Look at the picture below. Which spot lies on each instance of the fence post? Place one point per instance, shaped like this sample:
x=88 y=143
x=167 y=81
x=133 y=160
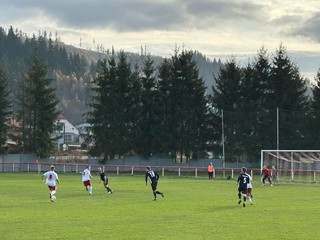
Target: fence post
x=232 y=173
x=196 y=172
x=12 y=167
x=117 y=170
x=77 y=169
x=28 y=167
x=132 y=170
x=162 y=171
x=314 y=176
x=292 y=175
x=179 y=172
x=64 y=168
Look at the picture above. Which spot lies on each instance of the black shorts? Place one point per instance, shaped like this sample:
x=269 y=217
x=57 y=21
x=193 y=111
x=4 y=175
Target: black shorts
x=105 y=181
x=154 y=185
x=243 y=189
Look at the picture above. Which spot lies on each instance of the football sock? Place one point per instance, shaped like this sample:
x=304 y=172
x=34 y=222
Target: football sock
x=239 y=195
x=155 y=194
x=90 y=189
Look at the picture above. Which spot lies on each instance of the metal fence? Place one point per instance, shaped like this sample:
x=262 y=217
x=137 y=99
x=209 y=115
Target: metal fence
x=123 y=169
x=299 y=176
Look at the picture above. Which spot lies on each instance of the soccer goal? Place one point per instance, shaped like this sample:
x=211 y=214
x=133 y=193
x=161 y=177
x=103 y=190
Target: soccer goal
x=292 y=165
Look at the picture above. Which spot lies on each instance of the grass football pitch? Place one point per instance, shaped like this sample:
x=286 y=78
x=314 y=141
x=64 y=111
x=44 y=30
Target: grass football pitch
x=193 y=208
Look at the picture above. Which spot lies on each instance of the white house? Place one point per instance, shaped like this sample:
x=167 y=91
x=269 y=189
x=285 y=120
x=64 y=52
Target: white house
x=67 y=133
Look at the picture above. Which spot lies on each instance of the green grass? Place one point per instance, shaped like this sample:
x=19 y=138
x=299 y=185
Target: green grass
x=192 y=209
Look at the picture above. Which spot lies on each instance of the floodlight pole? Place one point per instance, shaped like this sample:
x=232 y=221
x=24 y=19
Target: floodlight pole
x=278 y=137
x=277 y=128
x=223 y=153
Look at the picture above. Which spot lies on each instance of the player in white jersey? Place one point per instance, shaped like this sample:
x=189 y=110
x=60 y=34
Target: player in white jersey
x=249 y=190
x=86 y=179
x=51 y=180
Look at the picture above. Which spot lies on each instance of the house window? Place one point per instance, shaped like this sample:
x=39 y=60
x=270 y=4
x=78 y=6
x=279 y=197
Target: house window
x=68 y=138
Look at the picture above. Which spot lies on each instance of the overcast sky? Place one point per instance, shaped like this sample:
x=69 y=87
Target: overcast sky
x=216 y=28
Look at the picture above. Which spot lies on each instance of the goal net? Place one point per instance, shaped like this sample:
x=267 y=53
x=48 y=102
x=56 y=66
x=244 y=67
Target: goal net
x=292 y=165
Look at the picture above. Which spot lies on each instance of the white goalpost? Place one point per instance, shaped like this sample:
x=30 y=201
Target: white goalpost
x=292 y=165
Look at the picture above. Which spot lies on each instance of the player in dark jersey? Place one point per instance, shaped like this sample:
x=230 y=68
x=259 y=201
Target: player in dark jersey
x=105 y=180
x=153 y=178
x=243 y=180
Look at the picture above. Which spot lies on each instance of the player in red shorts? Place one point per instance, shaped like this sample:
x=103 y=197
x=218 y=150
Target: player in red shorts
x=51 y=179
x=86 y=179
x=249 y=190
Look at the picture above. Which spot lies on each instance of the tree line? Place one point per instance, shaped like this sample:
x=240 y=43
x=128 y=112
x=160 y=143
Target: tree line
x=265 y=105
x=152 y=111
x=166 y=109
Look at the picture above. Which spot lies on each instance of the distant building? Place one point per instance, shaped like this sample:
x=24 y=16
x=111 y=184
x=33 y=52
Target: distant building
x=84 y=131
x=66 y=133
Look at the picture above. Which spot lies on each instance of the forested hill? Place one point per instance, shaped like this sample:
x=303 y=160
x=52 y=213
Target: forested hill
x=71 y=68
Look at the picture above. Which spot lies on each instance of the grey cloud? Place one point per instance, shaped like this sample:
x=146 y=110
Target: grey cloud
x=309 y=28
x=211 y=14
x=142 y=15
x=287 y=20
x=226 y=10
x=119 y=15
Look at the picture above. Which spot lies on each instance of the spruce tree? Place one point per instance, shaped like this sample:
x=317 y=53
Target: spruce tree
x=147 y=130
x=103 y=106
x=5 y=111
x=165 y=107
x=247 y=133
x=128 y=99
x=265 y=115
x=113 y=106
x=186 y=110
x=288 y=93
x=37 y=111
x=287 y=87
x=315 y=113
x=226 y=97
